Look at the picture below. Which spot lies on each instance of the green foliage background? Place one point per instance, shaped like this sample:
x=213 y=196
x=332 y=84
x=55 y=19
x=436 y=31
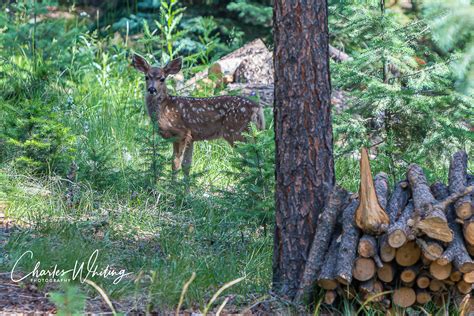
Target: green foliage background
x=68 y=96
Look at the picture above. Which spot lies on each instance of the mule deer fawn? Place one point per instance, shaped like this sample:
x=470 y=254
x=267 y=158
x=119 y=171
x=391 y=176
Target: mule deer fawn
x=193 y=119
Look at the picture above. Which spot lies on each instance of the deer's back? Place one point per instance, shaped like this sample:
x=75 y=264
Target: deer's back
x=210 y=118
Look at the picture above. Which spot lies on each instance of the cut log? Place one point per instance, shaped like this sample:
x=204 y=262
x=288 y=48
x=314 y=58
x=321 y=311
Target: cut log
x=431 y=249
x=468 y=231
x=386 y=273
x=425 y=261
x=404 y=297
x=330 y=297
x=436 y=285
x=468 y=277
x=348 y=247
x=387 y=252
x=399 y=231
x=423 y=280
x=408 y=254
x=456 y=252
x=464 y=287
x=338 y=199
x=440 y=272
x=370 y=290
x=456 y=275
x=327 y=279
x=367 y=248
x=430 y=217
x=458 y=182
x=364 y=269
x=423 y=297
x=381 y=188
x=338 y=55
x=370 y=216
x=409 y=274
x=469 y=248
x=367 y=286
x=398 y=201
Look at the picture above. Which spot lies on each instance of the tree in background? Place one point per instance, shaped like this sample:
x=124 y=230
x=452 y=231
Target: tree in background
x=303 y=134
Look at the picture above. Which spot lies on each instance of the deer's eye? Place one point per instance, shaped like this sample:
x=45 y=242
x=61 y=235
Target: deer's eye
x=147 y=78
x=162 y=79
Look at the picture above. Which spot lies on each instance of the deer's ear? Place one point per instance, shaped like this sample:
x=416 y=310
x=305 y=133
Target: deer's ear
x=140 y=63
x=173 y=67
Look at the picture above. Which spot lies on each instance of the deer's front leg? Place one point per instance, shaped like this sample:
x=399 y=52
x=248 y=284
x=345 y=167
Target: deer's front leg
x=188 y=158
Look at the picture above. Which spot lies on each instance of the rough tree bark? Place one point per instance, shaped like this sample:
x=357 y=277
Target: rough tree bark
x=348 y=248
x=303 y=134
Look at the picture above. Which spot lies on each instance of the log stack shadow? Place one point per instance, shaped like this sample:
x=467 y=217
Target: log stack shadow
x=411 y=246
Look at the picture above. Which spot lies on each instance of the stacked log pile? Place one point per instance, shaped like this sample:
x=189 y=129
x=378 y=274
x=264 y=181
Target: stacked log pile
x=410 y=246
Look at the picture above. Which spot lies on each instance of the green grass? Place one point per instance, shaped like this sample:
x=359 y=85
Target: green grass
x=171 y=236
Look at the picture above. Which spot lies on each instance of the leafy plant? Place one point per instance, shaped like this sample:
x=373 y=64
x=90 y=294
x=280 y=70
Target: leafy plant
x=70 y=301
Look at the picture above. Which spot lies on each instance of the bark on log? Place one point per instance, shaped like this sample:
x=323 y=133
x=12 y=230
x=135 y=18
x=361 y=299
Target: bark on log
x=364 y=269
x=327 y=279
x=386 y=273
x=381 y=188
x=399 y=231
x=370 y=290
x=404 y=297
x=370 y=216
x=430 y=217
x=458 y=182
x=408 y=254
x=398 y=201
x=431 y=249
x=348 y=247
x=338 y=199
x=440 y=272
x=368 y=249
x=456 y=252
x=387 y=252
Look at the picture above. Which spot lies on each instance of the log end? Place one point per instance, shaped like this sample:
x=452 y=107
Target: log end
x=328 y=284
x=464 y=210
x=397 y=238
x=404 y=297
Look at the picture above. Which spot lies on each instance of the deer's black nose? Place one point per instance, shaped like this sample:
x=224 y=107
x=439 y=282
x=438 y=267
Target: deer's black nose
x=152 y=90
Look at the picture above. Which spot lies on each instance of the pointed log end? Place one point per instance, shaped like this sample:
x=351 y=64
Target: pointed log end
x=370 y=216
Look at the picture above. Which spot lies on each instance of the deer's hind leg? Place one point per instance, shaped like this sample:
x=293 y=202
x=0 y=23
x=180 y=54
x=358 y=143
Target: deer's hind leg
x=176 y=159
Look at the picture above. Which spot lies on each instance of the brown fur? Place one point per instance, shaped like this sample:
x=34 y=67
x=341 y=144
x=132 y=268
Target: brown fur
x=194 y=119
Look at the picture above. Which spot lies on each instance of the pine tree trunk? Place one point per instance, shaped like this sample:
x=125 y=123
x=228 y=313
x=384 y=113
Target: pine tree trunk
x=303 y=134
